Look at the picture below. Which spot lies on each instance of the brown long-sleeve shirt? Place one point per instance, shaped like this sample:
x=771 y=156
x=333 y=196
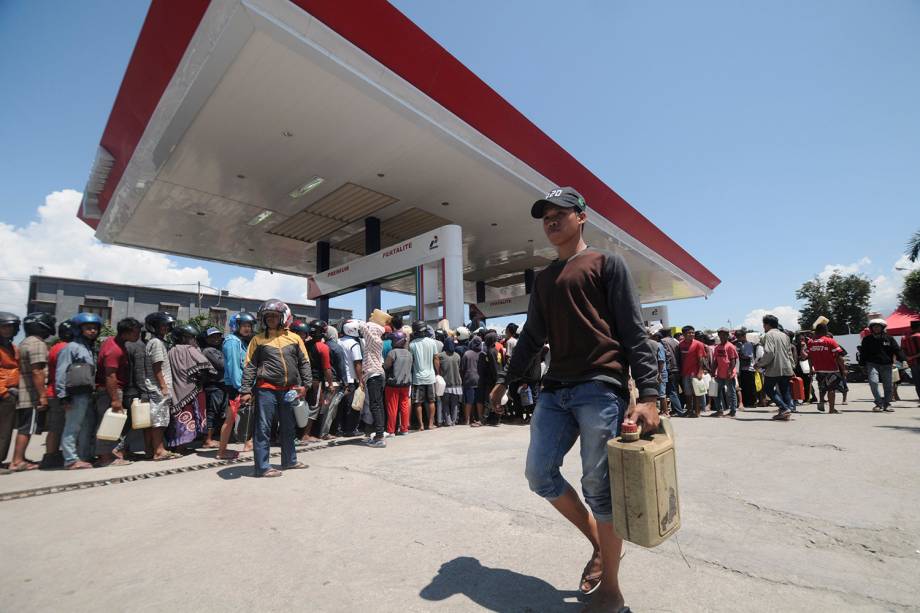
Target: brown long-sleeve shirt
x=588 y=309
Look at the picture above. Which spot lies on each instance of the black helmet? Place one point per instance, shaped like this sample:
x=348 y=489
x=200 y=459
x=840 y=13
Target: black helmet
x=9 y=318
x=440 y=335
x=318 y=328
x=181 y=331
x=419 y=329
x=65 y=331
x=39 y=324
x=300 y=327
x=153 y=321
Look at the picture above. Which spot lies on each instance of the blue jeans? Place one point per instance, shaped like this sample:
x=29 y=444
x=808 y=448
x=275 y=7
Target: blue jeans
x=268 y=404
x=79 y=422
x=671 y=392
x=593 y=410
x=780 y=391
x=727 y=400
x=880 y=373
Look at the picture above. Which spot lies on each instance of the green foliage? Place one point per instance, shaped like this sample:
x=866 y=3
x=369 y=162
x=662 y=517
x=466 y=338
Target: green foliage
x=202 y=322
x=844 y=299
x=913 y=247
x=910 y=293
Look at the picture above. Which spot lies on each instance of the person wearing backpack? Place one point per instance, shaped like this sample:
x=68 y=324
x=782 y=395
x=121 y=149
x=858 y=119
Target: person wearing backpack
x=74 y=384
x=672 y=383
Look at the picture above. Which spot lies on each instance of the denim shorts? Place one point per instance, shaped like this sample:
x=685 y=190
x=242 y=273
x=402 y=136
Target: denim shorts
x=594 y=410
x=471 y=395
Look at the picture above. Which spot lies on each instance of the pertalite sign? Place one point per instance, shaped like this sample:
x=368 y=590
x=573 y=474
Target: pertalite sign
x=444 y=245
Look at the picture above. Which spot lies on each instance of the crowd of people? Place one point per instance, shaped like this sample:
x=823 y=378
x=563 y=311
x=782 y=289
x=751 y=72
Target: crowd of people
x=187 y=389
x=201 y=387
x=737 y=369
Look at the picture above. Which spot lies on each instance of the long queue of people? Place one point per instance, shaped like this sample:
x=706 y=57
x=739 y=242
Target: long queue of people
x=743 y=369
x=197 y=389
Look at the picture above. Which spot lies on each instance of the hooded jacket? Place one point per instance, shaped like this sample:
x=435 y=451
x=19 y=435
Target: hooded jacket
x=276 y=359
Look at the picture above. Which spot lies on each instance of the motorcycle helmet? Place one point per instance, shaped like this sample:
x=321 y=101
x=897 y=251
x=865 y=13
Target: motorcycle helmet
x=9 y=318
x=440 y=335
x=153 y=321
x=318 y=328
x=463 y=333
x=81 y=319
x=39 y=324
x=182 y=333
x=353 y=328
x=240 y=318
x=300 y=327
x=419 y=329
x=399 y=339
x=65 y=331
x=275 y=306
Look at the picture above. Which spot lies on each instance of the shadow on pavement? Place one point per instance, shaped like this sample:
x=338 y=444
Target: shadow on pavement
x=497 y=589
x=236 y=471
x=914 y=429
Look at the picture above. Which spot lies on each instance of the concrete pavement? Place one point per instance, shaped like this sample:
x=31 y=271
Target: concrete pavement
x=817 y=514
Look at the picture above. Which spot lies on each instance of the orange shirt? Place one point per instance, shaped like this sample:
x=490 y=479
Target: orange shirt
x=9 y=369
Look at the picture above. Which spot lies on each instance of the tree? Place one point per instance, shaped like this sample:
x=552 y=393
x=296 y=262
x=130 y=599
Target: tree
x=816 y=303
x=849 y=300
x=844 y=299
x=913 y=247
x=910 y=293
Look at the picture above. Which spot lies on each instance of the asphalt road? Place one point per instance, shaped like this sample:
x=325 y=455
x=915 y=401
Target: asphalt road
x=817 y=514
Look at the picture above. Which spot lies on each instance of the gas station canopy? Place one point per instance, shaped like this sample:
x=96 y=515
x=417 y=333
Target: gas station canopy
x=249 y=131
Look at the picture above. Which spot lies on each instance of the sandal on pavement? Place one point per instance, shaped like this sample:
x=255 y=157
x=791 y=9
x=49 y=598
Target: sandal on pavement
x=297 y=466
x=593 y=581
x=169 y=455
x=78 y=465
x=271 y=472
x=228 y=455
x=22 y=467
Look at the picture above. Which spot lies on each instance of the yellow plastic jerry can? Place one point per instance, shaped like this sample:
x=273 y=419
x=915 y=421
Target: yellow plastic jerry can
x=643 y=484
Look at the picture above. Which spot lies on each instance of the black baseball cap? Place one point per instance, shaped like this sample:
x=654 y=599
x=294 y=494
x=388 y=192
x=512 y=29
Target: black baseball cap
x=565 y=197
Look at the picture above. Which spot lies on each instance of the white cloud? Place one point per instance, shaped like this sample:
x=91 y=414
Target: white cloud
x=263 y=284
x=58 y=244
x=788 y=317
x=845 y=269
x=887 y=287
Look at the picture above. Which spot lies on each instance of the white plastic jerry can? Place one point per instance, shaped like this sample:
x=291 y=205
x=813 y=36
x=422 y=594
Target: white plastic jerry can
x=140 y=415
x=301 y=409
x=111 y=425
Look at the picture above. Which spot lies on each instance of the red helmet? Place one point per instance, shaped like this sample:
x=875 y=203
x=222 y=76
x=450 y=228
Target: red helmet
x=276 y=306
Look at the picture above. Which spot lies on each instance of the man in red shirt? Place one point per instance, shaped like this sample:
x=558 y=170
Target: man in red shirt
x=725 y=357
x=692 y=360
x=826 y=358
x=113 y=374
x=54 y=423
x=910 y=345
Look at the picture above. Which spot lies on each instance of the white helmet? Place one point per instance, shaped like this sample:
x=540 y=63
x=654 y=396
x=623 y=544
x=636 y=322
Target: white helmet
x=463 y=333
x=353 y=328
x=878 y=322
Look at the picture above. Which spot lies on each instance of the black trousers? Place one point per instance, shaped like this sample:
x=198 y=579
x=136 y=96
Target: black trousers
x=374 y=389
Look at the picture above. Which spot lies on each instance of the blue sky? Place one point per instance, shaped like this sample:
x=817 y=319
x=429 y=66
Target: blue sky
x=769 y=140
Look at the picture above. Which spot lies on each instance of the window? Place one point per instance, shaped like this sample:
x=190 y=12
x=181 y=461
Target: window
x=171 y=308
x=43 y=306
x=218 y=318
x=104 y=312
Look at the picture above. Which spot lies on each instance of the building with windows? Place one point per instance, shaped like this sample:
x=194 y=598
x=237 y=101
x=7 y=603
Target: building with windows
x=64 y=298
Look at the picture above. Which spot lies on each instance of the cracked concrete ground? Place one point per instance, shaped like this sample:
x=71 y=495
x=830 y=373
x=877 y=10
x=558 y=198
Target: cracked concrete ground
x=817 y=514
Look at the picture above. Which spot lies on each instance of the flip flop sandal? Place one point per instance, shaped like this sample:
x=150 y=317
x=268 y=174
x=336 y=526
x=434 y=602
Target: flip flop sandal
x=593 y=581
x=169 y=455
x=271 y=472
x=298 y=466
x=119 y=462
x=23 y=467
x=231 y=455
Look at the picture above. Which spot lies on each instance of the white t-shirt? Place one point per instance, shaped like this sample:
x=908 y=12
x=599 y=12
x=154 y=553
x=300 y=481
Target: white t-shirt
x=353 y=354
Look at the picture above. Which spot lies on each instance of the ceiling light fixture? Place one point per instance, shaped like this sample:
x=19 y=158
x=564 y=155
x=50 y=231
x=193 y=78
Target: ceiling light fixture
x=307 y=187
x=260 y=218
